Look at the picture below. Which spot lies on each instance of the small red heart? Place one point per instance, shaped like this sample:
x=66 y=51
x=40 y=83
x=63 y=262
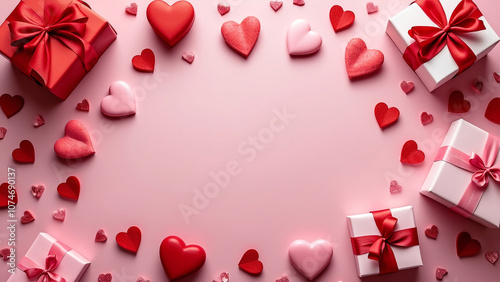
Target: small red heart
x=477 y=86
x=179 y=260
x=171 y=23
x=132 y=9
x=3 y=131
x=76 y=142
x=141 y=279
x=276 y=5
x=101 y=236
x=491 y=256
x=130 y=240
x=250 y=262
x=385 y=116
x=145 y=62
x=457 y=103
x=440 y=273
x=39 y=121
x=5 y=253
x=407 y=87
x=299 y=2
x=341 y=20
x=223 y=8
x=241 y=37
x=84 y=106
x=493 y=111
x=432 y=232
x=11 y=105
x=359 y=60
x=25 y=154
x=410 y=153
x=69 y=189
x=27 y=217
x=496 y=76
x=426 y=118
x=105 y=277
x=466 y=246
x=6 y=197
x=37 y=191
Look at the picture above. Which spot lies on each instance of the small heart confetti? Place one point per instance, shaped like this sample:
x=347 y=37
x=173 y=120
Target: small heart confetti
x=283 y=278
x=395 y=187
x=426 y=118
x=84 y=106
x=432 y=232
x=496 y=76
x=3 y=130
x=477 y=86
x=276 y=5
x=39 y=121
x=491 y=256
x=407 y=87
x=299 y=2
x=37 y=191
x=132 y=9
x=59 y=214
x=440 y=273
x=371 y=8
x=5 y=252
x=100 y=236
x=27 y=217
x=141 y=279
x=223 y=277
x=223 y=8
x=105 y=277
x=188 y=57
x=457 y=103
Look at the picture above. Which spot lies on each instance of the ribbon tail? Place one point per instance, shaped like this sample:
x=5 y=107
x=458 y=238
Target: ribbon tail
x=388 y=263
x=461 y=53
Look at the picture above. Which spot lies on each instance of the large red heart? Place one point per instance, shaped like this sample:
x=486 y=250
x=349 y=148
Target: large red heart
x=145 y=62
x=69 y=189
x=130 y=240
x=25 y=154
x=179 y=260
x=6 y=197
x=359 y=60
x=241 y=37
x=385 y=116
x=493 y=111
x=341 y=20
x=457 y=103
x=410 y=154
x=11 y=104
x=76 y=142
x=250 y=262
x=466 y=246
x=171 y=23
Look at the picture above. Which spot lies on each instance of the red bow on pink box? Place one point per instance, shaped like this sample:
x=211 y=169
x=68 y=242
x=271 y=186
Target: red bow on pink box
x=48 y=272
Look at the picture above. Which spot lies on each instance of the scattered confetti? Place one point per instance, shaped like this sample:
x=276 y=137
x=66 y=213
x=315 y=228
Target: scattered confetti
x=132 y=9
x=477 y=86
x=432 y=232
x=27 y=217
x=4 y=253
x=407 y=87
x=188 y=57
x=440 y=273
x=37 y=191
x=299 y=2
x=491 y=256
x=283 y=278
x=39 y=121
x=223 y=277
x=3 y=131
x=395 y=187
x=84 y=106
x=496 y=76
x=59 y=214
x=426 y=118
x=101 y=236
x=371 y=8
x=276 y=5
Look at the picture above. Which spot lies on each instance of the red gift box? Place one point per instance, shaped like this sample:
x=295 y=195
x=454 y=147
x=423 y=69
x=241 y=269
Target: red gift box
x=55 y=42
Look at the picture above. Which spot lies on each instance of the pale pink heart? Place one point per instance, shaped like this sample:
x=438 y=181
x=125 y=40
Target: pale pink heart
x=371 y=8
x=39 y=121
x=188 y=57
x=120 y=101
x=276 y=5
x=100 y=236
x=132 y=9
x=59 y=214
x=310 y=259
x=3 y=130
x=491 y=256
x=301 y=40
x=395 y=187
x=223 y=277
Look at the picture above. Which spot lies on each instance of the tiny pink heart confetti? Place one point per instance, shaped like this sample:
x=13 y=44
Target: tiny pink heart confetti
x=477 y=86
x=223 y=277
x=37 y=191
x=59 y=214
x=188 y=57
x=299 y=2
x=141 y=279
x=84 y=106
x=131 y=9
x=276 y=5
x=491 y=256
x=39 y=121
x=371 y=8
x=223 y=8
x=407 y=86
x=440 y=273
x=101 y=236
x=27 y=217
x=426 y=118
x=105 y=277
x=395 y=187
x=496 y=76
x=3 y=130
x=283 y=278
x=5 y=252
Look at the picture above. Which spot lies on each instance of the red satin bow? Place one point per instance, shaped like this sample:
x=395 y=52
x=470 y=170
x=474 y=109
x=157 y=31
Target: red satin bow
x=47 y=274
x=480 y=177
x=429 y=41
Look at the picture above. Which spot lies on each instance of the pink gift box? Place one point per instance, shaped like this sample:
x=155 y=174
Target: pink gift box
x=70 y=265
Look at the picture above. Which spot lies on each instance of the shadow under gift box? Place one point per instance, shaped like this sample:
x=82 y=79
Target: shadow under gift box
x=65 y=68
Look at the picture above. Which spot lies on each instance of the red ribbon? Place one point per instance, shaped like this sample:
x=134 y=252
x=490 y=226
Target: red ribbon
x=429 y=40
x=61 y=20
x=379 y=247
x=46 y=273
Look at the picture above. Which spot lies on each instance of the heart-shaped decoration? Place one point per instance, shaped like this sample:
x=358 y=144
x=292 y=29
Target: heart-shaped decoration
x=302 y=253
x=241 y=37
x=426 y=118
x=76 y=142
x=59 y=214
x=440 y=273
x=188 y=57
x=3 y=131
x=100 y=236
x=223 y=277
x=38 y=121
x=283 y=278
x=301 y=40
x=457 y=103
x=496 y=76
x=466 y=246
x=432 y=232
x=6 y=198
x=250 y=262
x=131 y=9
x=491 y=256
x=223 y=8
x=27 y=217
x=37 y=191
x=141 y=279
x=11 y=105
x=394 y=187
x=407 y=86
x=69 y=189
x=299 y=2
x=179 y=260
x=5 y=253
x=385 y=116
x=359 y=60
x=120 y=101
x=171 y=23
x=493 y=110
x=276 y=5
x=25 y=154
x=371 y=8
x=130 y=240
x=84 y=106
x=105 y=277
x=410 y=153
x=145 y=62
x=341 y=20
x=477 y=86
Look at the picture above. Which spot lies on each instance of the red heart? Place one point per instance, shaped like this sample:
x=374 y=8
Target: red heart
x=359 y=60
x=130 y=240
x=132 y=9
x=496 y=76
x=6 y=197
x=76 y=142
x=426 y=118
x=27 y=217
x=223 y=9
x=69 y=189
x=100 y=236
x=105 y=277
x=84 y=106
x=5 y=253
x=276 y=5
x=250 y=262
x=457 y=103
x=432 y=232
x=341 y=20
x=385 y=116
x=145 y=62
x=171 y=23
x=25 y=154
x=440 y=273
x=407 y=87
x=410 y=153
x=241 y=37
x=11 y=105
x=466 y=246
x=179 y=260
x=493 y=110
x=491 y=256
x=3 y=131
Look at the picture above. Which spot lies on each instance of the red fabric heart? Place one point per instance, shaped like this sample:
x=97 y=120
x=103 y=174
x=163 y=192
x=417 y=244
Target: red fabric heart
x=241 y=37
x=440 y=273
x=105 y=277
x=84 y=106
x=359 y=60
x=171 y=23
x=276 y=5
x=491 y=256
x=223 y=9
x=426 y=118
x=407 y=87
x=76 y=142
x=432 y=232
x=130 y=240
x=466 y=246
x=341 y=20
x=27 y=217
x=385 y=116
x=250 y=262
x=25 y=154
x=5 y=197
x=179 y=260
x=493 y=111
x=69 y=189
x=457 y=103
x=410 y=153
x=11 y=105
x=145 y=62
x=100 y=236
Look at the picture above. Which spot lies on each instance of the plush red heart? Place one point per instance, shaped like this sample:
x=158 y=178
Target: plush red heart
x=241 y=37
x=341 y=20
x=25 y=154
x=250 y=262
x=76 y=142
x=171 y=23
x=457 y=103
x=410 y=153
x=432 y=232
x=27 y=217
x=6 y=197
x=130 y=240
x=145 y=62
x=385 y=116
x=359 y=60
x=440 y=273
x=11 y=105
x=70 y=189
x=84 y=106
x=179 y=260
x=466 y=246
x=493 y=111
x=426 y=118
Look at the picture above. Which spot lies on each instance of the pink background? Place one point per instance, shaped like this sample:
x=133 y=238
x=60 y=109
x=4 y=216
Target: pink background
x=330 y=161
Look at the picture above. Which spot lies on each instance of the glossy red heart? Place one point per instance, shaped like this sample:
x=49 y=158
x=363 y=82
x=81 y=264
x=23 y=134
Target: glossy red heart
x=385 y=116
x=241 y=37
x=410 y=153
x=179 y=260
x=432 y=232
x=69 y=189
x=250 y=262
x=359 y=60
x=6 y=197
x=457 y=103
x=145 y=62
x=130 y=240
x=11 y=105
x=493 y=111
x=27 y=217
x=25 y=154
x=171 y=23
x=76 y=142
x=341 y=19
x=466 y=246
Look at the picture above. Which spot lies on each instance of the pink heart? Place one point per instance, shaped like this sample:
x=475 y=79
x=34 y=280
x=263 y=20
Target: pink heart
x=491 y=256
x=59 y=214
x=426 y=118
x=310 y=259
x=276 y=5
x=3 y=130
x=496 y=76
x=299 y=2
x=440 y=273
x=371 y=8
x=223 y=8
x=37 y=191
x=407 y=87
x=140 y=279
x=301 y=40
x=76 y=142
x=477 y=86
x=188 y=57
x=283 y=278
x=132 y=9
x=395 y=187
x=105 y=277
x=39 y=121
x=120 y=101
x=100 y=236
x=5 y=252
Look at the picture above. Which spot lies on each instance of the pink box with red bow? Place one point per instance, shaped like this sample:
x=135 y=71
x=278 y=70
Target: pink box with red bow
x=440 y=39
x=49 y=258
x=466 y=173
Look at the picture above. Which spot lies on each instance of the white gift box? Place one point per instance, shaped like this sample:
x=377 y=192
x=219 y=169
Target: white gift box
x=446 y=183
x=442 y=67
x=364 y=225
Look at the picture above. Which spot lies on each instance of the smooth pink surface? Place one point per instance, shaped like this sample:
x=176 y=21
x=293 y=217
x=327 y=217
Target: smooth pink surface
x=194 y=120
